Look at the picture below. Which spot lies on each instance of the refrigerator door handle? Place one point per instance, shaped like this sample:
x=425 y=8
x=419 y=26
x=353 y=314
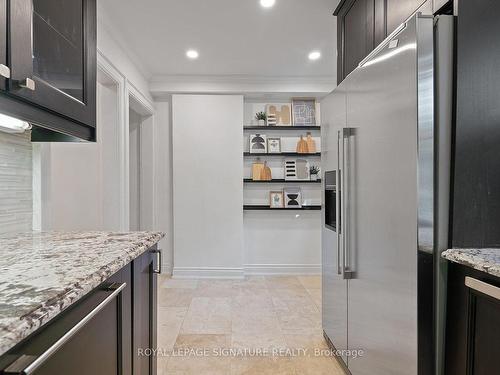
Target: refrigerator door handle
x=346 y=143
x=338 y=205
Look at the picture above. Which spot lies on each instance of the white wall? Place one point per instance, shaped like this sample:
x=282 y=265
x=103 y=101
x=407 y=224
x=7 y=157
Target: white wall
x=282 y=242
x=207 y=185
x=135 y=169
x=81 y=180
x=163 y=178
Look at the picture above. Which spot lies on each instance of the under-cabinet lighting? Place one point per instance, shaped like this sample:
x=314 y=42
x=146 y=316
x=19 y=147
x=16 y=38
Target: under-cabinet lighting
x=267 y=3
x=10 y=124
x=314 y=55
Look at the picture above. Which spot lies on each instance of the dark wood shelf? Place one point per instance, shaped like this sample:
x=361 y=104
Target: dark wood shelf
x=281 y=181
x=248 y=207
x=256 y=127
x=283 y=154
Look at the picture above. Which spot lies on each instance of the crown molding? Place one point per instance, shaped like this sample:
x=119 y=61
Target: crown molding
x=251 y=86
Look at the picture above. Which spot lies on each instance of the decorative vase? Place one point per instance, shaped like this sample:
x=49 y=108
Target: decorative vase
x=262 y=122
x=314 y=177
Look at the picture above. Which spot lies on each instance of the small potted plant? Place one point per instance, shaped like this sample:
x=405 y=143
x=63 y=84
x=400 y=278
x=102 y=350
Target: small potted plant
x=313 y=172
x=261 y=118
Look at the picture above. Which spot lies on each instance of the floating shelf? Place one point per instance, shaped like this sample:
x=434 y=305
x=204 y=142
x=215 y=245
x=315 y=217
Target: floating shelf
x=281 y=181
x=283 y=154
x=254 y=127
x=266 y=207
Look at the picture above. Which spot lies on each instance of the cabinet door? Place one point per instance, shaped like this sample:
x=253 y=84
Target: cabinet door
x=399 y=10
x=4 y=70
x=53 y=56
x=483 y=354
x=476 y=200
x=358 y=34
x=144 y=313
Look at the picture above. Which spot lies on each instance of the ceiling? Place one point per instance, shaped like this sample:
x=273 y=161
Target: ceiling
x=233 y=37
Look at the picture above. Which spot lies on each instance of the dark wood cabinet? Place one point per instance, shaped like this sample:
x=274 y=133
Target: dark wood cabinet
x=144 y=312
x=51 y=51
x=358 y=33
x=473 y=322
x=476 y=197
x=104 y=333
x=363 y=24
x=399 y=10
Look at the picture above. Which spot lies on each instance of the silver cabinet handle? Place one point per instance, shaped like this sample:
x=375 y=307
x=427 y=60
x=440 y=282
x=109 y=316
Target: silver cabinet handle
x=4 y=71
x=346 y=134
x=27 y=83
x=337 y=205
x=26 y=365
x=159 y=257
x=482 y=287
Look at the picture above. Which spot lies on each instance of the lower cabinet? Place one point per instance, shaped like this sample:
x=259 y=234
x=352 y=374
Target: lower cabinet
x=473 y=322
x=144 y=312
x=104 y=333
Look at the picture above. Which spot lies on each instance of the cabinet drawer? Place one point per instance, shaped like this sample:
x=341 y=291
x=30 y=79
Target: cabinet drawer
x=83 y=340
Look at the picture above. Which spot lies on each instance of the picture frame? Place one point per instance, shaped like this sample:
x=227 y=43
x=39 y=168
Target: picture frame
x=281 y=113
x=274 y=145
x=293 y=197
x=276 y=199
x=258 y=144
x=304 y=111
x=297 y=169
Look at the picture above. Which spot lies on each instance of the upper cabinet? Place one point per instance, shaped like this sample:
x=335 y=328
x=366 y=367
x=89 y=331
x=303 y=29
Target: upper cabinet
x=398 y=11
x=476 y=200
x=364 y=24
x=52 y=60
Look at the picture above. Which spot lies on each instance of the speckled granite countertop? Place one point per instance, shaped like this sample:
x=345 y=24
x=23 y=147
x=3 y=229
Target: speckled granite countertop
x=486 y=260
x=42 y=273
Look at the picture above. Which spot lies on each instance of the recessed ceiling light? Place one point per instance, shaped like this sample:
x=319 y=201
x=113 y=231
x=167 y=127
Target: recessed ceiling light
x=315 y=55
x=192 y=54
x=267 y=3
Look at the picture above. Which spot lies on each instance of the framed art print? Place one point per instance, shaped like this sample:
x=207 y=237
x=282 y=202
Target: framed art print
x=304 y=112
x=280 y=113
x=274 y=145
x=276 y=199
x=258 y=144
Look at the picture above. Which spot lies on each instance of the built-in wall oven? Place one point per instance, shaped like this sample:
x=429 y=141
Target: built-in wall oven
x=331 y=200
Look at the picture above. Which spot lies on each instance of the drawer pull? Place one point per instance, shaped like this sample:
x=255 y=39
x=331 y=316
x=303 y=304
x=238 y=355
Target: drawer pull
x=481 y=286
x=159 y=255
x=26 y=365
x=27 y=83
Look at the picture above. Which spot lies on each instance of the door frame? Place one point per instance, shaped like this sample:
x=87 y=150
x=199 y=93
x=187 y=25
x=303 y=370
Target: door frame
x=135 y=100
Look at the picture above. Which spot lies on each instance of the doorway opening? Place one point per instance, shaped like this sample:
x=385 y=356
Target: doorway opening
x=141 y=165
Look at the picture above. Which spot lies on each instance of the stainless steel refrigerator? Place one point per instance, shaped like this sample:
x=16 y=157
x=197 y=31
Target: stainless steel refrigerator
x=386 y=157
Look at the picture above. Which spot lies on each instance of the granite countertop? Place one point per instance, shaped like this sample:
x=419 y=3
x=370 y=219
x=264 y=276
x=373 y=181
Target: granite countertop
x=42 y=273
x=485 y=260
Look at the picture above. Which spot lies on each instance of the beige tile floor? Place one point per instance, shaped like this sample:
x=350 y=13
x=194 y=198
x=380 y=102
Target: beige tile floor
x=257 y=321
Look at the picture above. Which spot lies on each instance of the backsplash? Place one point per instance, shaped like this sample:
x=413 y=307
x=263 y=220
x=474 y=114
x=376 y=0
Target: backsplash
x=16 y=185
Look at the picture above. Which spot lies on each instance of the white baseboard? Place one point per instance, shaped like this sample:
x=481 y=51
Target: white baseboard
x=207 y=273
x=240 y=273
x=282 y=269
x=166 y=269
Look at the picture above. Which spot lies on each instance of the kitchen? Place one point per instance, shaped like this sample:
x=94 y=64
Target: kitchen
x=341 y=180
